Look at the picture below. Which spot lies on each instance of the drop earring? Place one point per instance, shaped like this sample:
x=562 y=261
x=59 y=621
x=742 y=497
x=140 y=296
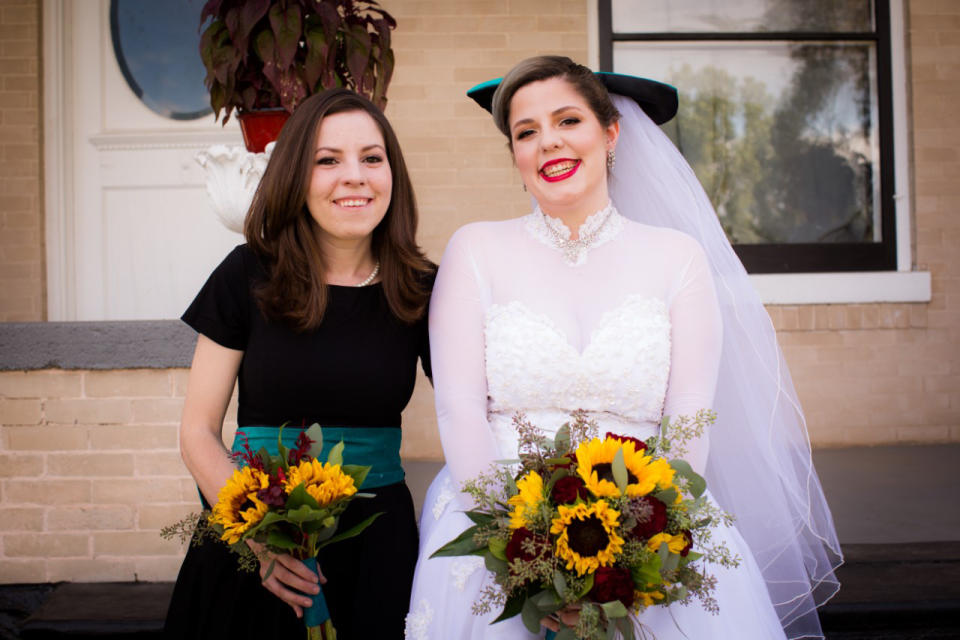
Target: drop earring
x=611 y=159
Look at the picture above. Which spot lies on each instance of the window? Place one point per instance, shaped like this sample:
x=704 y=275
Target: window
x=785 y=115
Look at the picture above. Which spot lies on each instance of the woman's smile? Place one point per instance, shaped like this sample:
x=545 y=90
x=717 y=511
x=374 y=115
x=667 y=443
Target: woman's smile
x=560 y=169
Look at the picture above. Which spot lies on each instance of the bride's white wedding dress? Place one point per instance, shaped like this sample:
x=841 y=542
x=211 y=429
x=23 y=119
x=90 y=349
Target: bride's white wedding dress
x=624 y=325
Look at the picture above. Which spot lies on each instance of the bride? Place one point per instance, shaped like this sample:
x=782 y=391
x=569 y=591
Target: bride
x=619 y=294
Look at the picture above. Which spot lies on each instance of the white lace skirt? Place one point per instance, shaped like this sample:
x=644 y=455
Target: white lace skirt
x=444 y=590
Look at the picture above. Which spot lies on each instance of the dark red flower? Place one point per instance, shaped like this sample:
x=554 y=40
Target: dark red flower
x=567 y=488
x=689 y=538
x=515 y=548
x=653 y=519
x=301 y=448
x=247 y=455
x=612 y=583
x=639 y=444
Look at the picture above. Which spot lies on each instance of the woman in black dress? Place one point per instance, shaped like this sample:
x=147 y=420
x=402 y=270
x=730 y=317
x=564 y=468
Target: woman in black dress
x=322 y=317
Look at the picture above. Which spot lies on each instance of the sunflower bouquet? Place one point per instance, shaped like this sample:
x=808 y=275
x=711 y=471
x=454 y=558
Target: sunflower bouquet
x=609 y=526
x=288 y=503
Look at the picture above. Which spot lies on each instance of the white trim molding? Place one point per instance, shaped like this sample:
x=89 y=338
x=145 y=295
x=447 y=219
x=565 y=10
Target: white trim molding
x=858 y=287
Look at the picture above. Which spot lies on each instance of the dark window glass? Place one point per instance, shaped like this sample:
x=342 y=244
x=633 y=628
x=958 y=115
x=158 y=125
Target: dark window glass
x=784 y=116
x=157 y=48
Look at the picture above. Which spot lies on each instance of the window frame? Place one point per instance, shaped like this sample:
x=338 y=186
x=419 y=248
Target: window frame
x=793 y=258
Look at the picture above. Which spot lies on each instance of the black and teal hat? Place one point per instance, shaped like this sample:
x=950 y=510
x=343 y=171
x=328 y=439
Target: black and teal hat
x=658 y=100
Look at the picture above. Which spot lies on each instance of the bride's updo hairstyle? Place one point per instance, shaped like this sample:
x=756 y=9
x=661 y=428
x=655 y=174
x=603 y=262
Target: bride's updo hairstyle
x=543 y=68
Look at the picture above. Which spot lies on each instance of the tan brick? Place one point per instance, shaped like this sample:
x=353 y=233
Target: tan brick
x=47 y=492
x=919 y=434
x=166 y=411
x=44 y=438
x=40 y=384
x=158 y=568
x=136 y=383
x=157 y=516
x=160 y=463
x=90 y=464
x=20 y=464
x=23 y=571
x=136 y=491
x=99 y=569
x=21 y=519
x=89 y=411
x=90 y=517
x=180 y=378
x=20 y=411
x=104 y=437
x=133 y=543
x=46 y=545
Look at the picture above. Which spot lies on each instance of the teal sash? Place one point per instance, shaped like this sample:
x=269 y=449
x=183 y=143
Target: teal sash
x=376 y=447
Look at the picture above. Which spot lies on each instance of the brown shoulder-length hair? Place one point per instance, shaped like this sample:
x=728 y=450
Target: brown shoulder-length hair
x=280 y=230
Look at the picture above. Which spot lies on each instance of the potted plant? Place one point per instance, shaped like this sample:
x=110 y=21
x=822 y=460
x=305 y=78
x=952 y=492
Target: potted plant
x=264 y=57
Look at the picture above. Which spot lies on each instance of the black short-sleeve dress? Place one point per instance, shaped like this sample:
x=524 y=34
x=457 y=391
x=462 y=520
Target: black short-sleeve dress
x=356 y=370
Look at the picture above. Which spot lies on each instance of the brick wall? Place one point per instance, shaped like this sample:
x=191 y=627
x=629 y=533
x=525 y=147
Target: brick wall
x=21 y=219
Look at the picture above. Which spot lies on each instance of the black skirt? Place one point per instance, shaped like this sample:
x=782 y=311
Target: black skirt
x=368 y=582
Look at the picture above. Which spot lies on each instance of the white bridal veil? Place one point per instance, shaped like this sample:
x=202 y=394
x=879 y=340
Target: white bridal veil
x=759 y=467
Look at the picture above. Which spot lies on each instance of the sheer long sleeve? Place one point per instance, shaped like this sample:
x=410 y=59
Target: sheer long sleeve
x=457 y=355
x=696 y=343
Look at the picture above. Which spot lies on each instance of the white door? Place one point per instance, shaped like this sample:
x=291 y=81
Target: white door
x=130 y=232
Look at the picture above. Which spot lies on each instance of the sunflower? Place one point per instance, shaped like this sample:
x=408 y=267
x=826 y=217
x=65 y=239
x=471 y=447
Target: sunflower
x=675 y=543
x=526 y=502
x=238 y=509
x=644 y=473
x=325 y=482
x=588 y=536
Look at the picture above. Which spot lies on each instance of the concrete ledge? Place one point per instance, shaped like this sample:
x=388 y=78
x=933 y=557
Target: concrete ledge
x=139 y=344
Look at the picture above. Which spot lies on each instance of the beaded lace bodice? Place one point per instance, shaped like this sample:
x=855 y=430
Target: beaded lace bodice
x=519 y=323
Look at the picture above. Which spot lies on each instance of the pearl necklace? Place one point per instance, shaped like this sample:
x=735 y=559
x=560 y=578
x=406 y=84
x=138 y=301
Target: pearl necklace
x=571 y=248
x=373 y=274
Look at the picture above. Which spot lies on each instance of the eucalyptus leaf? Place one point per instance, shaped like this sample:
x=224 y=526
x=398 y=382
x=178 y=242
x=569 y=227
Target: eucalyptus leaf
x=671 y=562
x=561 y=441
x=619 y=468
x=479 y=517
x=566 y=633
x=587 y=586
x=648 y=572
x=560 y=584
x=315 y=433
x=695 y=482
x=547 y=601
x=336 y=454
x=667 y=496
x=530 y=614
x=614 y=609
x=625 y=627
x=493 y=563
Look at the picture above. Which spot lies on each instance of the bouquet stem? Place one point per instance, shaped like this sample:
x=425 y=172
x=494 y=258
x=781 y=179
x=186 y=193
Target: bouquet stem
x=317 y=617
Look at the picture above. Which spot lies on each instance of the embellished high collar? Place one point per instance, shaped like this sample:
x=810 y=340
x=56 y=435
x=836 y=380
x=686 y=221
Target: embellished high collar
x=597 y=229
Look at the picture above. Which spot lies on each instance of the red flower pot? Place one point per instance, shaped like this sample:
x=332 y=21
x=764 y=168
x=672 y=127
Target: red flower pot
x=261 y=127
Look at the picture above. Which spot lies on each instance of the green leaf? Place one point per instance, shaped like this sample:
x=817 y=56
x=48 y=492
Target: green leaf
x=619 y=468
x=315 y=433
x=695 y=482
x=666 y=496
x=513 y=606
x=351 y=532
x=614 y=609
x=479 y=517
x=566 y=633
x=336 y=454
x=304 y=513
x=498 y=547
x=560 y=584
x=648 y=572
x=625 y=627
x=530 y=614
x=462 y=545
x=358 y=473
x=493 y=563
x=692 y=556
x=286 y=25
x=547 y=601
x=279 y=540
x=299 y=497
x=561 y=441
x=671 y=562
